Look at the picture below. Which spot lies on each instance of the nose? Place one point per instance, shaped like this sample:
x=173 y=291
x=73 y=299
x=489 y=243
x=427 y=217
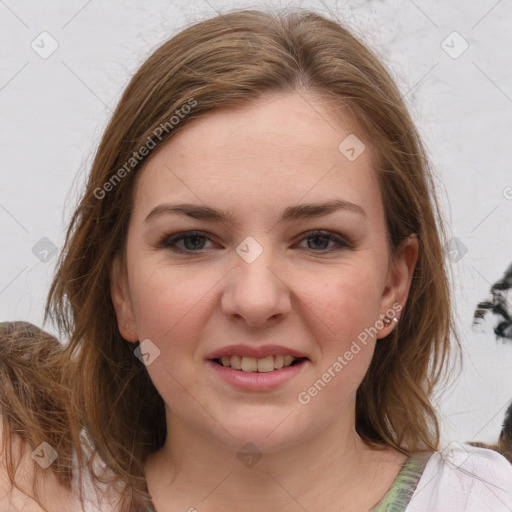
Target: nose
x=256 y=292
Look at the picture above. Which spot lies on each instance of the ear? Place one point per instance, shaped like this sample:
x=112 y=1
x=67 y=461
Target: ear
x=119 y=291
x=398 y=283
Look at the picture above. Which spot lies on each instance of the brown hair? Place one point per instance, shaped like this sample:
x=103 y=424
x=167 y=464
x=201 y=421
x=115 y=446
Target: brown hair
x=229 y=61
x=33 y=398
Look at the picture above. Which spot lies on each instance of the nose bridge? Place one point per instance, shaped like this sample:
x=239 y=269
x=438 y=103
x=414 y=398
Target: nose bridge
x=255 y=290
x=261 y=274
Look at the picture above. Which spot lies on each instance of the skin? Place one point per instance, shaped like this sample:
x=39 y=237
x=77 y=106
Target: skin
x=279 y=151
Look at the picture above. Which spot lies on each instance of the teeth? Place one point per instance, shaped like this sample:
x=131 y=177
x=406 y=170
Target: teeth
x=253 y=364
x=249 y=364
x=278 y=362
x=236 y=362
x=266 y=364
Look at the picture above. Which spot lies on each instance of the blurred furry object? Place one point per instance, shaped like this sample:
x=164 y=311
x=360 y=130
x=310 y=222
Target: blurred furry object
x=499 y=303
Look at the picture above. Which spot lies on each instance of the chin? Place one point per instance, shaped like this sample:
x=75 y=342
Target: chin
x=266 y=434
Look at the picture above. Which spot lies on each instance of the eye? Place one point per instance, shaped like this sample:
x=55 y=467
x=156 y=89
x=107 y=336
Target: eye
x=320 y=239
x=193 y=241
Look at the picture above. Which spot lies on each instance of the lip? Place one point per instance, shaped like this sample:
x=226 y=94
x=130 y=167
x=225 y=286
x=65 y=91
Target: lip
x=258 y=352
x=256 y=381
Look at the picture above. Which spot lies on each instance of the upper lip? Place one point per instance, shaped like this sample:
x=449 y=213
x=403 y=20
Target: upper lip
x=257 y=352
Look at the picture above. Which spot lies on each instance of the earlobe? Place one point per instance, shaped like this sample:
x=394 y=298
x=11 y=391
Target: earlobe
x=121 y=300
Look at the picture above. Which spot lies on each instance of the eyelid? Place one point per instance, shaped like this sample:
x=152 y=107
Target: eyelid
x=170 y=241
x=333 y=236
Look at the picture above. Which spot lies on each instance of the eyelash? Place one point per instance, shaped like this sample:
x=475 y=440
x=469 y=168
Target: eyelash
x=169 y=242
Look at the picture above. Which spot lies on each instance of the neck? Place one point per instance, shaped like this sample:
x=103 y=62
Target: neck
x=196 y=471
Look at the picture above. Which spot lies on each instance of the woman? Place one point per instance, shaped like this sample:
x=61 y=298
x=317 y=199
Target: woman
x=261 y=211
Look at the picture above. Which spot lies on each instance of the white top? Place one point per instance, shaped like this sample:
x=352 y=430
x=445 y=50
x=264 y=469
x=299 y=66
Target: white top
x=464 y=478
x=96 y=495
x=461 y=478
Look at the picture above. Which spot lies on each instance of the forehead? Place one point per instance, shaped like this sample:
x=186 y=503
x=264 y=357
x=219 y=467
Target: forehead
x=274 y=151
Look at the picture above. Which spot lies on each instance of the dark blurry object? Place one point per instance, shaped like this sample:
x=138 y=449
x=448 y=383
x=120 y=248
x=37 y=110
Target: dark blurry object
x=500 y=304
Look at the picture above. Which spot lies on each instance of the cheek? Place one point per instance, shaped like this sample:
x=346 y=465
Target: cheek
x=343 y=310
x=342 y=314
x=169 y=306
x=168 y=303
x=345 y=301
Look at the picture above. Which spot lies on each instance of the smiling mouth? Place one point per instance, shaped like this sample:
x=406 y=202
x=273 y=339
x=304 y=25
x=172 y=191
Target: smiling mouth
x=260 y=365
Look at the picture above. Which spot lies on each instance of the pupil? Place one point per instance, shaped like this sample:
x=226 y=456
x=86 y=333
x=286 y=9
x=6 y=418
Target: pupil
x=317 y=238
x=193 y=245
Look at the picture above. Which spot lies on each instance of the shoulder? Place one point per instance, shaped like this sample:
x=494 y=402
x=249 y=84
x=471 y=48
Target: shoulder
x=53 y=495
x=464 y=478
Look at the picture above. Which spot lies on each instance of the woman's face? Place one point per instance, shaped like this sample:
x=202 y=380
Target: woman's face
x=261 y=281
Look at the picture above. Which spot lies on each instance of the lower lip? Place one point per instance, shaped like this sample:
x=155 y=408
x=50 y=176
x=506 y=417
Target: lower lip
x=257 y=381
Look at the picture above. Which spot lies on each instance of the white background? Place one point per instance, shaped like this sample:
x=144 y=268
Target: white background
x=54 y=111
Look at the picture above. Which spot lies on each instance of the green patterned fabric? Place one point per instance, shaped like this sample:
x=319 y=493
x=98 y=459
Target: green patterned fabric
x=400 y=493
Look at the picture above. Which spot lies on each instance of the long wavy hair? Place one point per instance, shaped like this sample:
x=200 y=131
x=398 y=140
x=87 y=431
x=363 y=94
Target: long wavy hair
x=230 y=61
x=33 y=408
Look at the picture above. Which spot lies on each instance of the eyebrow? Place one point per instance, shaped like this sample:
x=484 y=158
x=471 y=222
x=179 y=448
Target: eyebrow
x=301 y=211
